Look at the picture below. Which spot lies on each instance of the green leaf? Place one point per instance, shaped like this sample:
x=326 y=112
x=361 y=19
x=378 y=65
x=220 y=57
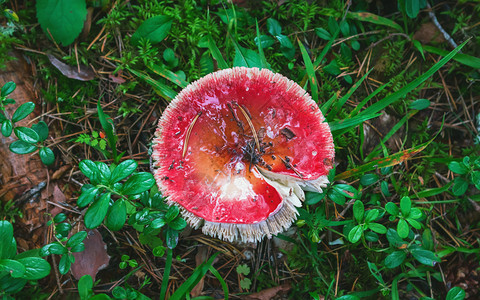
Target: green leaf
x=425 y=257
x=415 y=213
x=26 y=134
x=393 y=238
x=87 y=196
x=138 y=183
x=64 y=264
x=243 y=269
x=374 y=19
x=53 y=248
x=460 y=186
x=8 y=88
x=412 y=8
x=372 y=215
x=8 y=246
x=420 y=104
x=7 y=128
x=89 y=169
x=395 y=259
x=35 y=267
x=154 y=29
x=46 y=155
x=178 y=224
x=274 y=27
x=107 y=125
x=21 y=147
x=355 y=234
x=85 y=285
x=402 y=228
x=415 y=224
x=245 y=57
x=368 y=179
x=458 y=168
x=392 y=208
x=77 y=238
x=245 y=283
x=358 y=210
x=23 y=111
x=15 y=268
x=172 y=213
x=405 y=206
x=378 y=228
x=62 y=20
x=323 y=34
x=171 y=237
x=222 y=64
x=117 y=215
x=123 y=170
x=346 y=190
x=97 y=212
x=348 y=297
x=455 y=293
x=78 y=248
x=104 y=172
x=158 y=223
x=60 y=218
x=384 y=188
x=336 y=197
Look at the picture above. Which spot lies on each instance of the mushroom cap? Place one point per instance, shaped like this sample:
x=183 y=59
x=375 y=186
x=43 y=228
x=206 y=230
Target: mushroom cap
x=235 y=150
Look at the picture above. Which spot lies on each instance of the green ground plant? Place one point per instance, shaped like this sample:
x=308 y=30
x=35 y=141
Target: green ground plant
x=392 y=223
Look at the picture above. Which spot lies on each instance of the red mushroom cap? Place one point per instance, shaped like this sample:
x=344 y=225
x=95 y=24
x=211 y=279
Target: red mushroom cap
x=236 y=149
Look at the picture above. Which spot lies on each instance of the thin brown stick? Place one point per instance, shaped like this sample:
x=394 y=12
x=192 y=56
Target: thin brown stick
x=249 y=121
x=189 y=131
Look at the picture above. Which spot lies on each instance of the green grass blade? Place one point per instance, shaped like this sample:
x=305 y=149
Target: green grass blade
x=465 y=59
x=364 y=101
x=374 y=19
x=391 y=160
x=346 y=124
x=169 y=75
x=161 y=89
x=190 y=283
x=378 y=106
x=326 y=106
x=310 y=71
x=325 y=49
x=166 y=274
x=107 y=125
x=222 y=64
x=331 y=115
x=263 y=59
x=394 y=129
x=222 y=282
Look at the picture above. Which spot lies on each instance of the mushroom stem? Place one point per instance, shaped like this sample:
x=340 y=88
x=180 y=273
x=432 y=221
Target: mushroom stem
x=249 y=121
x=189 y=131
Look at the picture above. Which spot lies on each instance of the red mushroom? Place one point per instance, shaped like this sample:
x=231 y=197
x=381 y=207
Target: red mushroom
x=235 y=150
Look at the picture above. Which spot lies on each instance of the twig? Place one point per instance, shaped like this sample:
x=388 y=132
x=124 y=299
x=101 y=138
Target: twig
x=440 y=28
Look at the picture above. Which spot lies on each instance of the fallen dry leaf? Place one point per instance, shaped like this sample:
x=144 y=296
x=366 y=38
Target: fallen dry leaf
x=116 y=79
x=83 y=73
x=427 y=33
x=270 y=293
x=93 y=259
